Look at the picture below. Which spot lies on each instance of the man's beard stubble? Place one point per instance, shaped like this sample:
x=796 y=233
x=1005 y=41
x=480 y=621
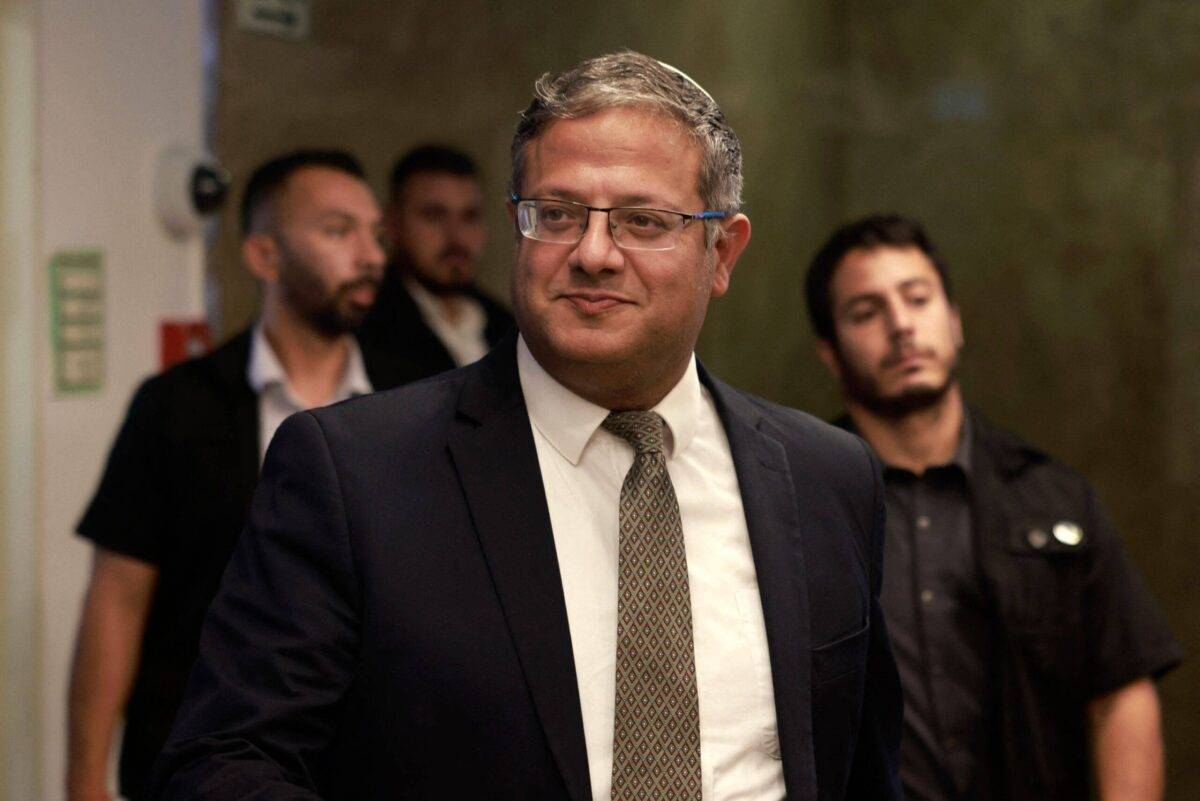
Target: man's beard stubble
x=328 y=313
x=864 y=388
x=456 y=283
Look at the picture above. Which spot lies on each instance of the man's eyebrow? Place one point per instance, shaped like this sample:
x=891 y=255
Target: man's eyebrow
x=872 y=295
x=335 y=213
x=559 y=194
x=341 y=215
x=633 y=201
x=643 y=201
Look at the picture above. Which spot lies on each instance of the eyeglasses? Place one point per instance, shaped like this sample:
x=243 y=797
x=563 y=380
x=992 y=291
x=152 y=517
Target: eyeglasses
x=564 y=222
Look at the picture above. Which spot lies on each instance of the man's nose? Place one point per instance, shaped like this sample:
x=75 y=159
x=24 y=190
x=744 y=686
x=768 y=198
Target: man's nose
x=460 y=228
x=371 y=250
x=597 y=251
x=900 y=320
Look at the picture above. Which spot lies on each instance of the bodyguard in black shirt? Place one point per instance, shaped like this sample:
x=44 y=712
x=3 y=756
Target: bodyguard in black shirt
x=175 y=492
x=1026 y=642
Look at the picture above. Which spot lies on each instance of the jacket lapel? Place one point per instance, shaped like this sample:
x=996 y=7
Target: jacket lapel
x=492 y=447
x=769 y=499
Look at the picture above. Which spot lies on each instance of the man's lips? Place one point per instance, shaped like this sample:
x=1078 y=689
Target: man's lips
x=363 y=294
x=908 y=359
x=593 y=302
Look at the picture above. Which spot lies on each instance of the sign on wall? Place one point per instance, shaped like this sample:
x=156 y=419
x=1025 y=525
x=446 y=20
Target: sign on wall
x=288 y=19
x=180 y=340
x=77 y=320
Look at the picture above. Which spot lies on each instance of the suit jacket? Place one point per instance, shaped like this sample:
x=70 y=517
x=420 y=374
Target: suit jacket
x=392 y=624
x=175 y=493
x=395 y=325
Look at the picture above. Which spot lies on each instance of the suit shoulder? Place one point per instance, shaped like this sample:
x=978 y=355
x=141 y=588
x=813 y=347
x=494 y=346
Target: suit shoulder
x=198 y=381
x=821 y=452
x=1026 y=464
x=411 y=411
x=803 y=428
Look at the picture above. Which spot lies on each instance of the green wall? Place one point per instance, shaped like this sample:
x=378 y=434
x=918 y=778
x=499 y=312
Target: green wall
x=1052 y=149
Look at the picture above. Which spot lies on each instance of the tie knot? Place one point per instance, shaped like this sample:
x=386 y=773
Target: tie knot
x=645 y=431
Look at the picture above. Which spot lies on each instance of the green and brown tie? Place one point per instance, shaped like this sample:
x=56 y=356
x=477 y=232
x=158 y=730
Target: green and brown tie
x=656 y=731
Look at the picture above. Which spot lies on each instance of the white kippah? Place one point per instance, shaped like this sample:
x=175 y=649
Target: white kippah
x=687 y=78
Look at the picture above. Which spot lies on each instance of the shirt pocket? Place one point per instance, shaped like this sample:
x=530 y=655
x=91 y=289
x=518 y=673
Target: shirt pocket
x=1044 y=589
x=1042 y=598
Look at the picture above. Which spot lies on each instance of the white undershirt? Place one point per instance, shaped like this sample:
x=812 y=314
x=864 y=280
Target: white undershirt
x=463 y=336
x=583 y=467
x=277 y=400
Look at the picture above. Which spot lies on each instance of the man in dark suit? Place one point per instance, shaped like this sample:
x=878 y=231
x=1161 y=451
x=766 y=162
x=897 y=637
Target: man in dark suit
x=582 y=567
x=429 y=310
x=177 y=487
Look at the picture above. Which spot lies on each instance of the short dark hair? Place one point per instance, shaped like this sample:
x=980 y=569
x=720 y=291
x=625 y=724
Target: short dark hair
x=430 y=158
x=266 y=182
x=880 y=230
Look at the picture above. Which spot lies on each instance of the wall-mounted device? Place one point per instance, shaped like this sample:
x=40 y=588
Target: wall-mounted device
x=190 y=186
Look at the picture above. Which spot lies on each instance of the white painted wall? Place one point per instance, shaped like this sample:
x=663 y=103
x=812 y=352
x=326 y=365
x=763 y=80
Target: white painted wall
x=117 y=82
x=18 y=404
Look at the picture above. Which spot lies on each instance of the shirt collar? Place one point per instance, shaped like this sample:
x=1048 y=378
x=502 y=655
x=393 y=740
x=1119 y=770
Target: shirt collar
x=265 y=370
x=962 y=453
x=355 y=380
x=471 y=316
x=961 y=458
x=569 y=422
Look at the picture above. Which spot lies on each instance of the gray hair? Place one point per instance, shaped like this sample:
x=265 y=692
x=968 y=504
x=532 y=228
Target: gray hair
x=627 y=78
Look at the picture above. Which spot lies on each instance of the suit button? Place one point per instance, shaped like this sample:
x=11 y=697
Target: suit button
x=927 y=597
x=922 y=522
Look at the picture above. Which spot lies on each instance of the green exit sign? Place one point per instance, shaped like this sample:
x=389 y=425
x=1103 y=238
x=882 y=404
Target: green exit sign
x=77 y=320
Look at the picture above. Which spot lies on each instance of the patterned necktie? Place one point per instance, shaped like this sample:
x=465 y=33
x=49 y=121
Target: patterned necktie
x=656 y=732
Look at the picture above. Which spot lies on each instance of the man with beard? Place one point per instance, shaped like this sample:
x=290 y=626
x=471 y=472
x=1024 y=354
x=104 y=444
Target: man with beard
x=582 y=566
x=429 y=310
x=1021 y=631
x=175 y=492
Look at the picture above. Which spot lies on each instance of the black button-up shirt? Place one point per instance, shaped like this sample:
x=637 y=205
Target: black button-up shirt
x=940 y=627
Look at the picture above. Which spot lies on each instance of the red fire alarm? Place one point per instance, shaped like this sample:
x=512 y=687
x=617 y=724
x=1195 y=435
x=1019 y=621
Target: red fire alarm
x=180 y=340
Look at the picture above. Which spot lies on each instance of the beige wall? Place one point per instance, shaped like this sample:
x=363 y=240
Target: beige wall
x=1051 y=149
x=18 y=413
x=89 y=95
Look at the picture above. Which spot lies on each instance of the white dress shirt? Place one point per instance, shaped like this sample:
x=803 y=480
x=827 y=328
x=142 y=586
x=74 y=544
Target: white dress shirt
x=277 y=400
x=463 y=336
x=583 y=467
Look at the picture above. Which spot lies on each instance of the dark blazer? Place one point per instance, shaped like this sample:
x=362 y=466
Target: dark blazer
x=175 y=493
x=395 y=325
x=392 y=624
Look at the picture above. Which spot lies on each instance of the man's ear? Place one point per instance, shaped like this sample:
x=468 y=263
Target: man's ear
x=956 y=327
x=828 y=356
x=735 y=235
x=260 y=253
